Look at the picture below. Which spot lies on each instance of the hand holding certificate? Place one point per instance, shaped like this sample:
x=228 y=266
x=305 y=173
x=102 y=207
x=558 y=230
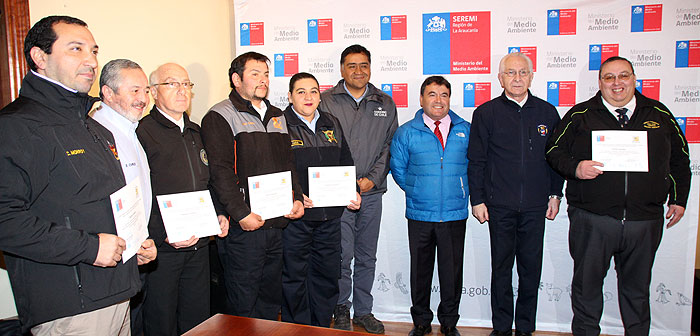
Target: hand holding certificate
x=620 y=150
x=188 y=214
x=332 y=186
x=130 y=217
x=271 y=195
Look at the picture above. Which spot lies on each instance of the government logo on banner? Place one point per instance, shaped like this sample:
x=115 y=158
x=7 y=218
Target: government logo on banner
x=324 y=87
x=688 y=54
x=561 y=22
x=598 y=53
x=457 y=43
x=649 y=87
x=398 y=92
x=646 y=18
x=393 y=27
x=690 y=127
x=476 y=94
x=561 y=93
x=530 y=52
x=320 y=30
x=286 y=65
x=252 y=33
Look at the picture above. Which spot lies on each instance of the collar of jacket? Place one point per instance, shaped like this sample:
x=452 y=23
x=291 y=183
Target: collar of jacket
x=418 y=123
x=642 y=101
x=243 y=105
x=528 y=103
x=293 y=119
x=372 y=92
x=161 y=119
x=66 y=104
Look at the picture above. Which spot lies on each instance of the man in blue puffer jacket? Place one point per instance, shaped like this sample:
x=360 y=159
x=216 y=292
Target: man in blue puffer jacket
x=429 y=162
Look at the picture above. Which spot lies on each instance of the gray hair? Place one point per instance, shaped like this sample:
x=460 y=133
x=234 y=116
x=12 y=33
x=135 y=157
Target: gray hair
x=110 y=74
x=502 y=65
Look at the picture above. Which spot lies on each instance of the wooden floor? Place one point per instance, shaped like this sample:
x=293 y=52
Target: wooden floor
x=401 y=328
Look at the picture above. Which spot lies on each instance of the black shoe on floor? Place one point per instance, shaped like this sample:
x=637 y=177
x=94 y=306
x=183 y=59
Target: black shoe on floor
x=522 y=333
x=341 y=318
x=420 y=330
x=370 y=323
x=449 y=331
x=500 y=333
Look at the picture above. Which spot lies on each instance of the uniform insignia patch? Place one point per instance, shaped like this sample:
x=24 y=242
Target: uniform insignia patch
x=651 y=124
x=203 y=157
x=329 y=136
x=297 y=143
x=542 y=130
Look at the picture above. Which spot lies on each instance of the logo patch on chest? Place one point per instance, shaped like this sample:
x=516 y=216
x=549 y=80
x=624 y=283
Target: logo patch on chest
x=203 y=157
x=80 y=151
x=542 y=130
x=330 y=136
x=379 y=112
x=651 y=124
x=297 y=143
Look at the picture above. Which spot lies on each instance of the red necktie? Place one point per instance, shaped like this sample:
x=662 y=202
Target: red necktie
x=439 y=134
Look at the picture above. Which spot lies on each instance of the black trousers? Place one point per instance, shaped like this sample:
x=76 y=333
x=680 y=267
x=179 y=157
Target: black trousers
x=252 y=262
x=311 y=271
x=178 y=292
x=515 y=236
x=423 y=239
x=593 y=240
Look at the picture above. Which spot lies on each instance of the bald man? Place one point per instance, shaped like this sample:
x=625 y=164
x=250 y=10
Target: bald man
x=178 y=285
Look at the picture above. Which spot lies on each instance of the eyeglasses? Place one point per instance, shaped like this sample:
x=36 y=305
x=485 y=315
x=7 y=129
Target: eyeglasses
x=176 y=85
x=512 y=73
x=610 y=78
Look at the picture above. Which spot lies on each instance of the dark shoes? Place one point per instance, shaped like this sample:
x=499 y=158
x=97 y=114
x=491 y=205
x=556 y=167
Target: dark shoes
x=501 y=333
x=420 y=330
x=449 y=331
x=522 y=333
x=341 y=318
x=370 y=323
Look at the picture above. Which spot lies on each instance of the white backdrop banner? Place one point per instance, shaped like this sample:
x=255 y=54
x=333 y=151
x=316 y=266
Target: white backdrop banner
x=464 y=41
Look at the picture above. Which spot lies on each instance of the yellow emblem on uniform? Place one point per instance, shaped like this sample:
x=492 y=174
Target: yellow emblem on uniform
x=329 y=136
x=297 y=143
x=276 y=123
x=651 y=124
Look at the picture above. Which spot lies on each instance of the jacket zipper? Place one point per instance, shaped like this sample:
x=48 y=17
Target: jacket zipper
x=75 y=272
x=189 y=161
x=522 y=157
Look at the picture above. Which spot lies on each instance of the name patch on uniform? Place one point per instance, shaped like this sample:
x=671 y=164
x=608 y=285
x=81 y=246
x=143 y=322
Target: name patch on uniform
x=75 y=152
x=329 y=136
x=203 y=157
x=380 y=112
x=651 y=124
x=542 y=130
x=460 y=134
x=297 y=143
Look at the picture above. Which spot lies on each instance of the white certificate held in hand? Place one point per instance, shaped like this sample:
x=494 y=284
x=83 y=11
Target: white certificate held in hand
x=332 y=186
x=130 y=217
x=620 y=150
x=188 y=214
x=271 y=195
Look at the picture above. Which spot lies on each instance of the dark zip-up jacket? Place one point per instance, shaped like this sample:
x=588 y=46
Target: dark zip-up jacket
x=623 y=195
x=326 y=147
x=507 y=167
x=240 y=144
x=178 y=164
x=57 y=174
x=369 y=127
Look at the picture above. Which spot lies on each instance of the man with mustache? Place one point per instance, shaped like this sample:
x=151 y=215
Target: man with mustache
x=178 y=282
x=59 y=168
x=618 y=214
x=514 y=189
x=368 y=117
x=245 y=135
x=124 y=92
